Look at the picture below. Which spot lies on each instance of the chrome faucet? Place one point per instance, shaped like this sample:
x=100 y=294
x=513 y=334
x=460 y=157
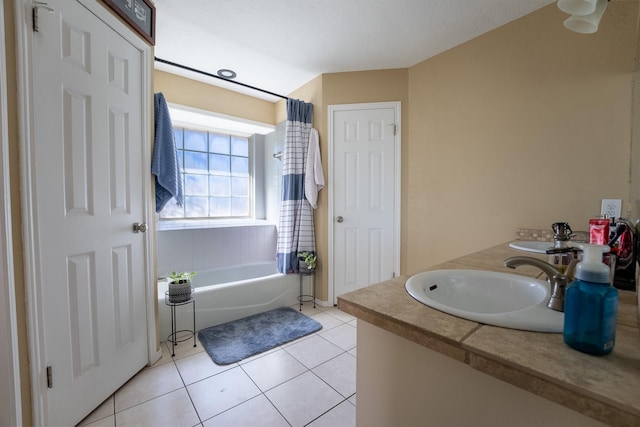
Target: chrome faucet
x=558 y=281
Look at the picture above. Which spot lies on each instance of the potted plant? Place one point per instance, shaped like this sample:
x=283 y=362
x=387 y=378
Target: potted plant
x=307 y=261
x=180 y=286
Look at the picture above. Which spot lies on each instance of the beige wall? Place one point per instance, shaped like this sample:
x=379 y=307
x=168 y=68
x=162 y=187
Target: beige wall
x=197 y=94
x=371 y=86
x=522 y=127
x=634 y=164
x=343 y=88
x=309 y=92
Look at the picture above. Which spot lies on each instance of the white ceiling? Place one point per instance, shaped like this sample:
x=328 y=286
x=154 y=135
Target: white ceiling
x=279 y=45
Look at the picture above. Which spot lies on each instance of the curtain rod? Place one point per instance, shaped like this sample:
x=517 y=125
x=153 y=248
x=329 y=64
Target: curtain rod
x=164 y=61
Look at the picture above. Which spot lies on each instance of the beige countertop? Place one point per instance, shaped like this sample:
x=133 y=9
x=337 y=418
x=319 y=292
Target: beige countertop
x=606 y=388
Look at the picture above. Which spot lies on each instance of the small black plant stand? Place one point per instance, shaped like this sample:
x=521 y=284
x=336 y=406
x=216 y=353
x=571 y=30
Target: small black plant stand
x=302 y=298
x=173 y=337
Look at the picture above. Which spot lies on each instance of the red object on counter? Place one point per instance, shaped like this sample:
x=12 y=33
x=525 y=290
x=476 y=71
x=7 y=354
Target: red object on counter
x=599 y=231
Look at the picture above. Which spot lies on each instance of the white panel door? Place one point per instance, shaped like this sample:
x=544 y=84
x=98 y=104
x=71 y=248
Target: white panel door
x=10 y=399
x=364 y=196
x=89 y=191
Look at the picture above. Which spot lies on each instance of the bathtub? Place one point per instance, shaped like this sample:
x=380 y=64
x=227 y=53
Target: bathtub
x=230 y=293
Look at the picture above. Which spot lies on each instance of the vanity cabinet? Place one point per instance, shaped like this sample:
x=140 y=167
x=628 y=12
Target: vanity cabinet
x=401 y=383
x=421 y=367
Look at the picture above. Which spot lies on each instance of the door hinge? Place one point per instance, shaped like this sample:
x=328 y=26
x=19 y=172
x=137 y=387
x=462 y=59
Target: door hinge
x=394 y=129
x=49 y=377
x=34 y=13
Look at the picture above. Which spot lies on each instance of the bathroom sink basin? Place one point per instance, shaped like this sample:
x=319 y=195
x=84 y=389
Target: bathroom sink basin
x=541 y=247
x=499 y=299
x=531 y=246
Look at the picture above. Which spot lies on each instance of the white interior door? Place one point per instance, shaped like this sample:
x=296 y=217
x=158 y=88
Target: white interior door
x=10 y=399
x=364 y=191
x=88 y=167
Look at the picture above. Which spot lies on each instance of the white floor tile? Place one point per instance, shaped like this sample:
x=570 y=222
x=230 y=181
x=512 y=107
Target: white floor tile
x=307 y=308
x=344 y=336
x=166 y=356
x=220 y=392
x=273 y=369
x=313 y=351
x=255 y=412
x=339 y=314
x=109 y=421
x=185 y=348
x=303 y=399
x=198 y=367
x=106 y=409
x=257 y=356
x=327 y=321
x=343 y=415
x=306 y=337
x=231 y=395
x=148 y=384
x=339 y=373
x=173 y=409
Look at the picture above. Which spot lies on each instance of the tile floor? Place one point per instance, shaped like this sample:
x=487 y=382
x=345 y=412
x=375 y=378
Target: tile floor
x=307 y=382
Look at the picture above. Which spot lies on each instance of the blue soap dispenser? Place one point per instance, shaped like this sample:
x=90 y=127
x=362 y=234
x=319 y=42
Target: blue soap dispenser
x=591 y=305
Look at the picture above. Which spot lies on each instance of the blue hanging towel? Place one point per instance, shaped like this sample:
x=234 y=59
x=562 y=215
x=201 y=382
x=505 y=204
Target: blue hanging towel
x=165 y=165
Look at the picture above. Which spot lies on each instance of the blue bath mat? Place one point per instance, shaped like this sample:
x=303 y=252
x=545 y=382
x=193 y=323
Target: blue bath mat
x=237 y=340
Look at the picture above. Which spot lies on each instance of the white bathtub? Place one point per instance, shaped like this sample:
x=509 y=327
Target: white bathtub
x=231 y=293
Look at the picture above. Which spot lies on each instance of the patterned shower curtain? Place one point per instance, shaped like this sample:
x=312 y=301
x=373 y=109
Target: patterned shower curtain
x=295 y=229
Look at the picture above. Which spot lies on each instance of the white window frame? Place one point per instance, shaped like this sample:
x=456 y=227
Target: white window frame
x=202 y=120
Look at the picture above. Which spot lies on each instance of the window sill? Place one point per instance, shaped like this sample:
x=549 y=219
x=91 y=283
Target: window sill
x=202 y=224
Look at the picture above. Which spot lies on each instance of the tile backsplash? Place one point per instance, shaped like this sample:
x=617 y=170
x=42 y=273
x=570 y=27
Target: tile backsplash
x=534 y=234
x=199 y=249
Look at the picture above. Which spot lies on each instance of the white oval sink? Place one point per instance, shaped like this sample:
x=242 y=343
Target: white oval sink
x=531 y=246
x=499 y=299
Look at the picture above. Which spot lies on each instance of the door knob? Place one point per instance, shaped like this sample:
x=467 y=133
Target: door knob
x=139 y=228
x=339 y=219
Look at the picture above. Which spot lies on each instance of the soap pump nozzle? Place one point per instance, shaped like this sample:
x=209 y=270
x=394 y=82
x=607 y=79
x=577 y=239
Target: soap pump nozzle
x=591 y=268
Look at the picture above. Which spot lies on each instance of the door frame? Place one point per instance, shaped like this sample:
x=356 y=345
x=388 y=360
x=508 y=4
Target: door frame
x=396 y=106
x=7 y=278
x=35 y=326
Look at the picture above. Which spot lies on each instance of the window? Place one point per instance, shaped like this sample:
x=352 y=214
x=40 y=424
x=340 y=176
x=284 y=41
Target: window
x=216 y=172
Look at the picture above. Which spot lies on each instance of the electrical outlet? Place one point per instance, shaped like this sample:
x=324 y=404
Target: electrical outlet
x=612 y=208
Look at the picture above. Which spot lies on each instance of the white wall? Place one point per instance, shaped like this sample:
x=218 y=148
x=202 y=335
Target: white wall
x=273 y=144
x=198 y=249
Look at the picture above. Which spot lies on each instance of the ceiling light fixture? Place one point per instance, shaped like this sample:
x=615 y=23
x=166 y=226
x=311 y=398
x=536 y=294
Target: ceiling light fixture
x=585 y=14
x=226 y=74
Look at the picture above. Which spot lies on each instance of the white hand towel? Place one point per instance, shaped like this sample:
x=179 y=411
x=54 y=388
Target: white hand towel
x=313 y=178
